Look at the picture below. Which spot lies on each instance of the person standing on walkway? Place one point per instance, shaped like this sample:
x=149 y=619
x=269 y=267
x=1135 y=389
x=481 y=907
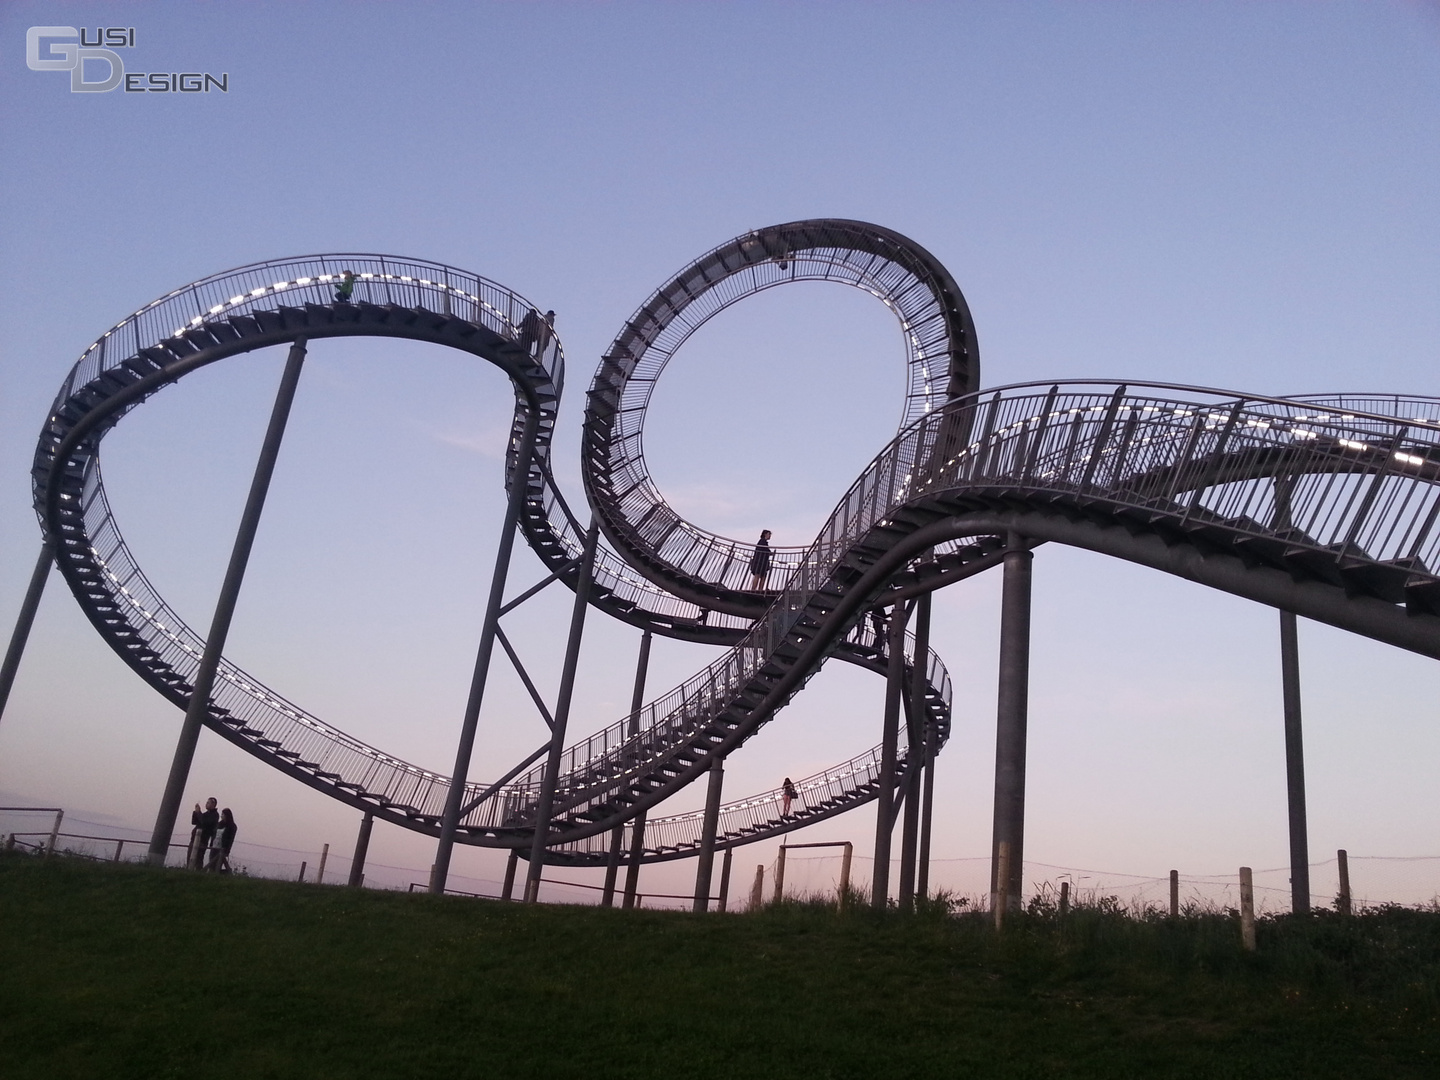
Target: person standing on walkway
x=880 y=624
x=205 y=821
x=760 y=562
x=345 y=288
x=529 y=331
x=787 y=796
x=223 y=842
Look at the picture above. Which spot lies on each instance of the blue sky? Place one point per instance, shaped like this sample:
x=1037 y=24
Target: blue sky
x=1236 y=195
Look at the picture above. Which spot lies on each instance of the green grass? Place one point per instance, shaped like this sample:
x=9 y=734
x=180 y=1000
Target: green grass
x=112 y=971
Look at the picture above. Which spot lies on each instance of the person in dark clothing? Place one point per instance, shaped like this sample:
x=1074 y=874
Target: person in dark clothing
x=345 y=288
x=881 y=625
x=788 y=796
x=760 y=562
x=224 y=840
x=529 y=330
x=205 y=821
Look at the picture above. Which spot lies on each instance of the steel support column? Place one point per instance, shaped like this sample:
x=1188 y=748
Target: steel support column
x=632 y=869
x=637 y=824
x=225 y=609
x=612 y=866
x=507 y=890
x=884 y=800
x=450 y=821
x=1012 y=712
x=724 y=896
x=362 y=845
x=1294 y=766
x=922 y=869
x=562 y=715
x=706 y=862
x=909 y=837
x=21 y=634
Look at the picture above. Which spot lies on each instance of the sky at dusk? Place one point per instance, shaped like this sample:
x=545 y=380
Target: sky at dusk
x=1236 y=195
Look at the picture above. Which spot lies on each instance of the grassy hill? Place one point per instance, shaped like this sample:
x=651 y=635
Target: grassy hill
x=116 y=971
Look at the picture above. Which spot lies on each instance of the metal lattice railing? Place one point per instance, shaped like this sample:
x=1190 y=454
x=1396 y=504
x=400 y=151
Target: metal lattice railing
x=1366 y=483
x=934 y=326
x=379 y=279
x=1359 y=485
x=1342 y=482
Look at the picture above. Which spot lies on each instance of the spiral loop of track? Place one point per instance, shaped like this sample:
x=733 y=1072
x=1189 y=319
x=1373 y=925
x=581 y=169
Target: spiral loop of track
x=1327 y=507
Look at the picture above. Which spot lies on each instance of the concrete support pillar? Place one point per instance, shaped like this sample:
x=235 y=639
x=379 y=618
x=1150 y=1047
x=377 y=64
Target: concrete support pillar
x=1012 y=714
x=1294 y=766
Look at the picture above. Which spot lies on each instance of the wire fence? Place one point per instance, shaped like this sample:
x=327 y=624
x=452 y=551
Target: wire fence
x=1375 y=880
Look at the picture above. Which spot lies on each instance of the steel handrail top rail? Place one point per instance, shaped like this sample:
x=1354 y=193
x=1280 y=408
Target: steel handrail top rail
x=942 y=360
x=1289 y=401
x=1349 y=539
x=252 y=309
x=754 y=818
x=213 y=298
x=1330 y=516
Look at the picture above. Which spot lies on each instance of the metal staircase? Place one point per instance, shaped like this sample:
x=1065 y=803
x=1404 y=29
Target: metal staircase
x=1317 y=505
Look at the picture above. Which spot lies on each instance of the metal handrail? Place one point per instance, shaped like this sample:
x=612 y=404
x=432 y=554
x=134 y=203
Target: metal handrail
x=1332 y=461
x=1359 y=486
x=241 y=705
x=936 y=331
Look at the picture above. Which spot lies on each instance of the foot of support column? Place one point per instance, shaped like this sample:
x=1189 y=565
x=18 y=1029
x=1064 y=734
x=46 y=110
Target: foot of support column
x=1012 y=715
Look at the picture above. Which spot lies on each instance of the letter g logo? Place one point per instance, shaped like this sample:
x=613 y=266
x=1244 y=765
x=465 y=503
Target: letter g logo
x=67 y=56
x=38 y=56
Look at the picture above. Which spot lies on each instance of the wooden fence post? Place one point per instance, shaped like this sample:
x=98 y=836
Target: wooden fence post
x=55 y=832
x=1064 y=898
x=1247 y=909
x=320 y=870
x=845 y=875
x=757 y=891
x=1342 y=902
x=780 y=875
x=302 y=871
x=1174 y=894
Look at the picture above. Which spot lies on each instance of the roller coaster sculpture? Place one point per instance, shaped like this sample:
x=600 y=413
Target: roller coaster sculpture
x=1323 y=507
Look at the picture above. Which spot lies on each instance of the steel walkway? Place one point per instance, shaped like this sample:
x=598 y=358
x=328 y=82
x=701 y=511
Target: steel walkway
x=1326 y=507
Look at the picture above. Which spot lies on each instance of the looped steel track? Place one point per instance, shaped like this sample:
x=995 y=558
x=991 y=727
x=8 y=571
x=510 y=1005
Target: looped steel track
x=1320 y=506
x=278 y=301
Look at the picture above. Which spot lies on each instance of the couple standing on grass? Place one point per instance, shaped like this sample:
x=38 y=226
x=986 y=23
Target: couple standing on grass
x=211 y=837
